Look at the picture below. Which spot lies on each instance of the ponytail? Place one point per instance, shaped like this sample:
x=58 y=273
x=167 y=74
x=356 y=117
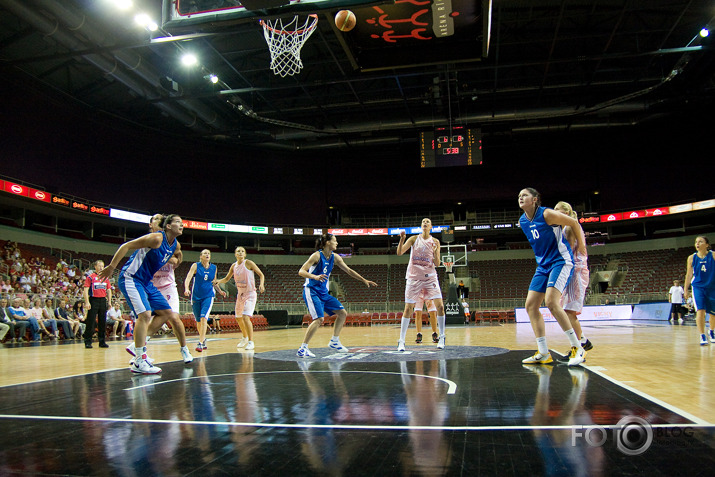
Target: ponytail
x=324 y=239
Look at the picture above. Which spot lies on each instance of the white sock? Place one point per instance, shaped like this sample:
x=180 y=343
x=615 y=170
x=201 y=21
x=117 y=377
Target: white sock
x=571 y=335
x=541 y=346
x=404 y=324
x=583 y=340
x=335 y=338
x=440 y=324
x=304 y=345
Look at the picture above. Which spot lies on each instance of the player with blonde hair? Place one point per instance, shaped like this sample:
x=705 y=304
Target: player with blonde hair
x=243 y=272
x=575 y=292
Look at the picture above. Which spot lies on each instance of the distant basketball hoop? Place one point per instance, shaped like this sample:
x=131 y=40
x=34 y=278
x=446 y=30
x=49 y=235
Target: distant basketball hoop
x=285 y=42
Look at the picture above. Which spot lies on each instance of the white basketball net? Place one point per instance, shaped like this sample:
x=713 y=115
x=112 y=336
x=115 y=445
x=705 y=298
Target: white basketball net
x=285 y=42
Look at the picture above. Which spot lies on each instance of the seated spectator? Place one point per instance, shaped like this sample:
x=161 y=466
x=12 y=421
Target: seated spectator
x=79 y=314
x=7 y=319
x=5 y=287
x=114 y=317
x=4 y=328
x=36 y=312
x=48 y=313
x=61 y=314
x=19 y=314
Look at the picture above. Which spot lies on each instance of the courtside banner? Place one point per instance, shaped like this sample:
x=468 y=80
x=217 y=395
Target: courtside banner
x=589 y=313
x=651 y=311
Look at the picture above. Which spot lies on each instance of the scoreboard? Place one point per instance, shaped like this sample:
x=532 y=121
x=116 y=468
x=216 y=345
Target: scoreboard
x=445 y=147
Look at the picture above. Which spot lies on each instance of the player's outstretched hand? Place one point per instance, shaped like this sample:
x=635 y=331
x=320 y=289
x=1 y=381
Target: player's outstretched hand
x=370 y=283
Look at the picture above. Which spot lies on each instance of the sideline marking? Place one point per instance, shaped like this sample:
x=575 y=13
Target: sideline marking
x=336 y=426
x=451 y=389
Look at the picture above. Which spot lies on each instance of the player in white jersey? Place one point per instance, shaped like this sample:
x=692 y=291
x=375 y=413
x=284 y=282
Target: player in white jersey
x=575 y=292
x=243 y=272
x=421 y=279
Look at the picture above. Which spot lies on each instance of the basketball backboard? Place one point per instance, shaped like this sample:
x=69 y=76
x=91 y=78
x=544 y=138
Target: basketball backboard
x=210 y=15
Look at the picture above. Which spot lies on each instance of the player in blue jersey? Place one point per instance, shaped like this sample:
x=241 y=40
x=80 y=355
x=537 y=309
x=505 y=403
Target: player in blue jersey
x=554 y=260
x=316 y=271
x=202 y=293
x=700 y=274
x=151 y=252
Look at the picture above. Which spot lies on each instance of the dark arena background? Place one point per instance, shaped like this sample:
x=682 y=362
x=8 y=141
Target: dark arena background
x=439 y=109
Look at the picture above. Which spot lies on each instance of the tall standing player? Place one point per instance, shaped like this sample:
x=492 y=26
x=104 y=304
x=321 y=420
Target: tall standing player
x=422 y=281
x=243 y=272
x=554 y=260
x=97 y=293
x=165 y=281
x=700 y=274
x=575 y=292
x=202 y=293
x=316 y=271
x=151 y=252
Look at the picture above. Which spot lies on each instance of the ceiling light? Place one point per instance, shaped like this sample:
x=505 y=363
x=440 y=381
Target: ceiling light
x=213 y=79
x=704 y=32
x=142 y=19
x=189 y=60
x=123 y=4
x=152 y=26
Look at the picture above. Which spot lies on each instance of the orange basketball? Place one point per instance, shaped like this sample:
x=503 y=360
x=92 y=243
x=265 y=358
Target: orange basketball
x=345 y=20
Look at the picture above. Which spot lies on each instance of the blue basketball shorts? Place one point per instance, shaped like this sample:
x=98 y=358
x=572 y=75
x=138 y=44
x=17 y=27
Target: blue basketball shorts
x=320 y=303
x=202 y=307
x=556 y=276
x=142 y=297
x=704 y=299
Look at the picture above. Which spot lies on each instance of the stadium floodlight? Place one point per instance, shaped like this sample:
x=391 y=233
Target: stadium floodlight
x=189 y=60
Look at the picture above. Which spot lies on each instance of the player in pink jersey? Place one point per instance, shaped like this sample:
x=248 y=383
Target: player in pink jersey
x=165 y=282
x=575 y=292
x=421 y=278
x=243 y=272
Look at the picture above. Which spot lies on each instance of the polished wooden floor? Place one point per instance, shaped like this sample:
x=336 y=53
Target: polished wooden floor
x=67 y=410
x=656 y=358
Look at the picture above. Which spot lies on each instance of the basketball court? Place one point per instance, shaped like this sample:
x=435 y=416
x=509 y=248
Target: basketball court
x=472 y=409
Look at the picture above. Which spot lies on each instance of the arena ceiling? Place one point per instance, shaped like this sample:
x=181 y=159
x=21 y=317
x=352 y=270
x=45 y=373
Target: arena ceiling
x=551 y=65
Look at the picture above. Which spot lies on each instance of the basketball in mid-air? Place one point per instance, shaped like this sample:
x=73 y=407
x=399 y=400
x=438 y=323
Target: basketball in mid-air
x=345 y=20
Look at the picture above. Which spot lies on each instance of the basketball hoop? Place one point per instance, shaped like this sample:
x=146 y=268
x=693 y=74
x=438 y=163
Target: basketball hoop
x=285 y=42
x=448 y=266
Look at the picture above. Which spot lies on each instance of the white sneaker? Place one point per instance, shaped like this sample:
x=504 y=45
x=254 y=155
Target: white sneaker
x=242 y=343
x=141 y=366
x=712 y=335
x=305 y=353
x=186 y=354
x=577 y=356
x=338 y=347
x=440 y=344
x=131 y=349
x=400 y=345
x=250 y=345
x=703 y=340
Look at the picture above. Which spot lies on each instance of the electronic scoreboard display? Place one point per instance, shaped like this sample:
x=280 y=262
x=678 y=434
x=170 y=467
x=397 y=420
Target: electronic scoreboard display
x=446 y=147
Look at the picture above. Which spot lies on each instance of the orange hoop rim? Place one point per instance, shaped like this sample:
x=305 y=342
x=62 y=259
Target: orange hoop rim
x=292 y=32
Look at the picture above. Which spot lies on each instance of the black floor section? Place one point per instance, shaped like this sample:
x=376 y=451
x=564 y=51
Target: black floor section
x=236 y=414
